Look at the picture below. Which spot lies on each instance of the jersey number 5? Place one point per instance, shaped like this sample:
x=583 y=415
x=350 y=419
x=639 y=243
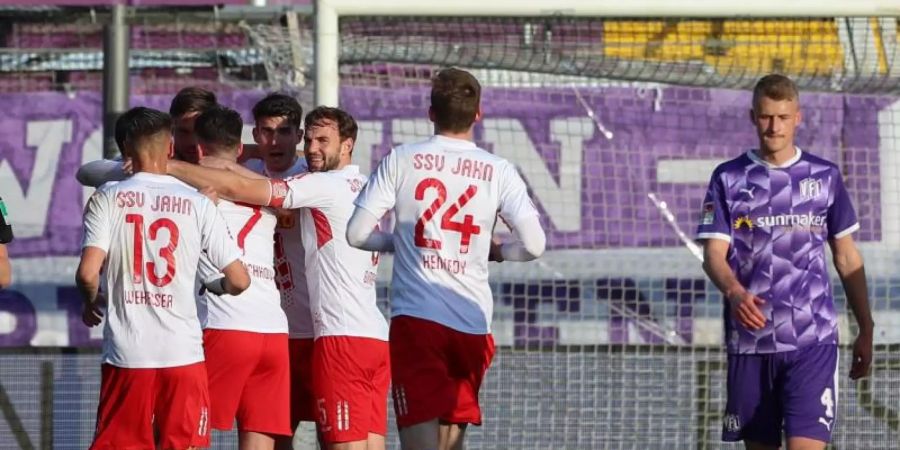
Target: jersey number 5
x=466 y=228
x=167 y=252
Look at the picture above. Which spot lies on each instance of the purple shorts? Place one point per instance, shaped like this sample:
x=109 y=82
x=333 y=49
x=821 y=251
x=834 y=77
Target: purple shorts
x=795 y=391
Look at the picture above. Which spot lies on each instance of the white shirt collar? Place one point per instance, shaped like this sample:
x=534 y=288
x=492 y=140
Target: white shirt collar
x=754 y=156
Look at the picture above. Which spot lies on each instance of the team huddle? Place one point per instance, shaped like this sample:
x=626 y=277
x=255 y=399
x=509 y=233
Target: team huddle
x=240 y=289
x=238 y=282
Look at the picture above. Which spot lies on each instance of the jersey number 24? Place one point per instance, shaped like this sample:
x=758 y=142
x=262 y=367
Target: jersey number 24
x=466 y=228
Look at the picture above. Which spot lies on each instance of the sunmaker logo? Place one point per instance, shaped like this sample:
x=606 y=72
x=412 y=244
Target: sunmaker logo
x=798 y=221
x=742 y=222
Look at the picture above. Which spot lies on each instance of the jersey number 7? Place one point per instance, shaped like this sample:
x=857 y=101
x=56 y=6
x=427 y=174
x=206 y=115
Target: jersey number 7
x=167 y=252
x=466 y=228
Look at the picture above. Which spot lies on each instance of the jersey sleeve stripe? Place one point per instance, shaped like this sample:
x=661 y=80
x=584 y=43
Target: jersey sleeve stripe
x=720 y=236
x=846 y=231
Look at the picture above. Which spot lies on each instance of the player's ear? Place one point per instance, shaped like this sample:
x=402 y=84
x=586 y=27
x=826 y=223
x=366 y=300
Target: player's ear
x=240 y=149
x=347 y=146
x=798 y=118
x=256 y=135
x=171 y=148
x=430 y=114
x=200 y=152
x=752 y=116
x=478 y=114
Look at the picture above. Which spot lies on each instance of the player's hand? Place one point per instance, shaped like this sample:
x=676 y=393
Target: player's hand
x=495 y=254
x=91 y=314
x=211 y=194
x=862 y=356
x=127 y=167
x=745 y=308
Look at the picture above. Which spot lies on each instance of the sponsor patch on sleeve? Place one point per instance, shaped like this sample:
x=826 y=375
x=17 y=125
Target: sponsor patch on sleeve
x=708 y=215
x=279 y=193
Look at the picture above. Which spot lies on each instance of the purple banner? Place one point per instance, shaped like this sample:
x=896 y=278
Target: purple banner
x=149 y=2
x=590 y=177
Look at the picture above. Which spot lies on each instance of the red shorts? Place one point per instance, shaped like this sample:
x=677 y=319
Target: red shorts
x=437 y=371
x=303 y=405
x=352 y=377
x=133 y=402
x=249 y=380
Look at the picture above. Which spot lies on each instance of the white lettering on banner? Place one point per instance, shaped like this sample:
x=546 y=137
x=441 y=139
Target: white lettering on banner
x=92 y=150
x=889 y=171
x=247 y=133
x=405 y=131
x=30 y=204
x=370 y=134
x=561 y=201
x=687 y=171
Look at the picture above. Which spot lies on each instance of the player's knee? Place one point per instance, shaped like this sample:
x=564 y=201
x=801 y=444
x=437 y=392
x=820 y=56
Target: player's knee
x=422 y=436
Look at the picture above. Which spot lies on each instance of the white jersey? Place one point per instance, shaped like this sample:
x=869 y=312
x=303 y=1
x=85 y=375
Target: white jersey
x=290 y=266
x=154 y=228
x=342 y=278
x=446 y=194
x=257 y=309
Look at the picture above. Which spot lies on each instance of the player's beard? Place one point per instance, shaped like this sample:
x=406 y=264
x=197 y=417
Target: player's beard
x=327 y=163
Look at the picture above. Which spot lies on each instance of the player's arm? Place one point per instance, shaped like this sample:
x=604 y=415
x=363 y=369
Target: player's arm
x=97 y=236
x=95 y=173
x=227 y=184
x=743 y=303
x=5 y=268
x=841 y=223
x=377 y=197
x=231 y=166
x=519 y=213
x=6 y=236
x=528 y=244
x=849 y=265
x=233 y=281
x=363 y=232
x=715 y=231
x=222 y=251
x=88 y=275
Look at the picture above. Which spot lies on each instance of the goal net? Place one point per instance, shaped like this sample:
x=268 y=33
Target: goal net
x=614 y=338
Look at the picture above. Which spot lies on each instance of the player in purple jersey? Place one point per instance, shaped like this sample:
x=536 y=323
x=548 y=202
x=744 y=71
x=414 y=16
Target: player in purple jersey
x=765 y=221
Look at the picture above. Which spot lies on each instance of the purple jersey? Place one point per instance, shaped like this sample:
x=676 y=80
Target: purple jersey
x=778 y=220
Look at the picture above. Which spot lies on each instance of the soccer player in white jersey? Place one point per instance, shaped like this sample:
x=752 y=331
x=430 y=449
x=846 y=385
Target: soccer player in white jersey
x=278 y=131
x=149 y=231
x=446 y=194
x=184 y=109
x=245 y=336
x=350 y=362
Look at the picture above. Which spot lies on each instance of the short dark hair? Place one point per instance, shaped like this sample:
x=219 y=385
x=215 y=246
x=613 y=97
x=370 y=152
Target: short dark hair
x=142 y=123
x=455 y=98
x=121 y=131
x=346 y=124
x=279 y=105
x=775 y=87
x=219 y=128
x=192 y=99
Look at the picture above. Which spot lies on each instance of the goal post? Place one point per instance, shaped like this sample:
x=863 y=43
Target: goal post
x=328 y=13
x=615 y=115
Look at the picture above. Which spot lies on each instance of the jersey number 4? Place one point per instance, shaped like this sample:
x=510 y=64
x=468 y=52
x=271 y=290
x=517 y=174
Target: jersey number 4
x=166 y=252
x=466 y=228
